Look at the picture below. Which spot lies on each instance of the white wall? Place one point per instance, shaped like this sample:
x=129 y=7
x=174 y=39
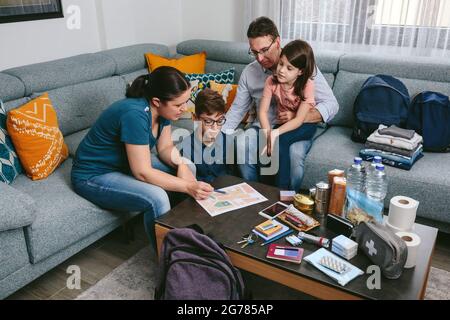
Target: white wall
x=105 y=24
x=36 y=41
x=214 y=19
x=128 y=22
x=109 y=24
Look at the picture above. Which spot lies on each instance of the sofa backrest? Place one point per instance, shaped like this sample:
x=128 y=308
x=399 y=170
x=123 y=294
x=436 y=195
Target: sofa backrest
x=80 y=87
x=417 y=73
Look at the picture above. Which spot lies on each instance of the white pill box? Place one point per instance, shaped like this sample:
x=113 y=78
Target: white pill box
x=344 y=247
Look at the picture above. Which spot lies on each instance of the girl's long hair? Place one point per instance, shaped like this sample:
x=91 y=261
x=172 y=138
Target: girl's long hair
x=164 y=83
x=300 y=54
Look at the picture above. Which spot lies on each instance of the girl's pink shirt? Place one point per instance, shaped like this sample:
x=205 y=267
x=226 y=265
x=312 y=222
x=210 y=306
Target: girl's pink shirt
x=288 y=100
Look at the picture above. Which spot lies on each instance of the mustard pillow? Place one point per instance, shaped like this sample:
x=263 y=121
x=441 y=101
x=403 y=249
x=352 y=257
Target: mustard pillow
x=35 y=134
x=189 y=64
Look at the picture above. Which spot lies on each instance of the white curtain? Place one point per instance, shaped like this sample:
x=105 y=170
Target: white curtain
x=268 y=8
x=412 y=27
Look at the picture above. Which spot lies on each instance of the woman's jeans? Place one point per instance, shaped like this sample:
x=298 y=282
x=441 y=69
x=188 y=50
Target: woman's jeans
x=121 y=192
x=305 y=132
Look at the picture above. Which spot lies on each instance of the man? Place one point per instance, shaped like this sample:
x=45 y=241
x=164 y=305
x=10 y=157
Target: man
x=265 y=46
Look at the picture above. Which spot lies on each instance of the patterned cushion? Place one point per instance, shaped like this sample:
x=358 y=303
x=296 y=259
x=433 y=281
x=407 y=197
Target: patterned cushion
x=200 y=81
x=223 y=77
x=35 y=133
x=10 y=166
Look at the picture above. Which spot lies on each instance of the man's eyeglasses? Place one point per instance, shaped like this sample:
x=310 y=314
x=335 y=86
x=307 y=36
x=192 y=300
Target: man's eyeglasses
x=262 y=52
x=210 y=122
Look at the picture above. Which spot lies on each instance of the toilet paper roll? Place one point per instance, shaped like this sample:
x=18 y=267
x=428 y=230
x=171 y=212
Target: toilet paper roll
x=412 y=241
x=402 y=213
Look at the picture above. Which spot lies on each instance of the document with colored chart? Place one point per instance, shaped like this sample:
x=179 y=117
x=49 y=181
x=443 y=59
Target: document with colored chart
x=231 y=198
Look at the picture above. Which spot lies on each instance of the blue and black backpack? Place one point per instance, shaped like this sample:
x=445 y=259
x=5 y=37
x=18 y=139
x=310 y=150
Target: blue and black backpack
x=384 y=100
x=429 y=116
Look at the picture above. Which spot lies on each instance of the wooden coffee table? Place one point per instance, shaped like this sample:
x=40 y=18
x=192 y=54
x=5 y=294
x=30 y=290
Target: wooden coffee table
x=228 y=228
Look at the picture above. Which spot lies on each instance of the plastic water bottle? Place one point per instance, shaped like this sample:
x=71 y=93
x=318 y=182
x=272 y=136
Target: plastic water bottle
x=371 y=168
x=377 y=184
x=356 y=176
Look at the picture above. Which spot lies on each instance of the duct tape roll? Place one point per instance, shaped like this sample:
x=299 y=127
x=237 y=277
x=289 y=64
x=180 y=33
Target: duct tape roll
x=412 y=241
x=402 y=213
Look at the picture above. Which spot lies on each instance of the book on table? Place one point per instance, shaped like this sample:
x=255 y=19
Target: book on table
x=281 y=228
x=285 y=253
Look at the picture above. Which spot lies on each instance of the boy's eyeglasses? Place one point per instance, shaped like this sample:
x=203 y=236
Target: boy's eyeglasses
x=262 y=52
x=210 y=122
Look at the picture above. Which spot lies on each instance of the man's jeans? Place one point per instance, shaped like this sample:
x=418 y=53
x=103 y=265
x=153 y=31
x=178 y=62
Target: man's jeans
x=250 y=168
x=121 y=192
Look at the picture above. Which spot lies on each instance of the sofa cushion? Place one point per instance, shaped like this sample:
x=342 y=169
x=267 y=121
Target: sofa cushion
x=17 y=208
x=36 y=136
x=131 y=58
x=13 y=252
x=328 y=61
x=63 y=72
x=10 y=87
x=428 y=181
x=73 y=140
x=411 y=67
x=79 y=106
x=15 y=103
x=200 y=81
x=187 y=64
x=225 y=51
x=348 y=85
x=62 y=217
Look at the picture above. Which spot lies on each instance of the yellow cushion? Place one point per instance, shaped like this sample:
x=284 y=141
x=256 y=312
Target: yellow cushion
x=228 y=92
x=36 y=136
x=189 y=64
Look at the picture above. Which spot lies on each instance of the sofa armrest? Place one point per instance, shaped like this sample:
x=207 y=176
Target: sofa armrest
x=17 y=209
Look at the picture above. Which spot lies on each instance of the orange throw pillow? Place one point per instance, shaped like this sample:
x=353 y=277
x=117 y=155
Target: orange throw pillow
x=189 y=64
x=36 y=136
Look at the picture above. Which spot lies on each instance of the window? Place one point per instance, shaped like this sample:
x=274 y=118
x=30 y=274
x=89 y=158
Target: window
x=413 y=13
x=422 y=24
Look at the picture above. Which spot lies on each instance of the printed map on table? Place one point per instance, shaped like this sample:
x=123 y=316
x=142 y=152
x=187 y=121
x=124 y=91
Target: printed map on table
x=236 y=197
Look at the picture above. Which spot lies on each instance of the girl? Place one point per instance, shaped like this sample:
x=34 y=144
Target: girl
x=115 y=166
x=293 y=88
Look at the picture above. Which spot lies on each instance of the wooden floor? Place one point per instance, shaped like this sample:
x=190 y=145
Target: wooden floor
x=105 y=255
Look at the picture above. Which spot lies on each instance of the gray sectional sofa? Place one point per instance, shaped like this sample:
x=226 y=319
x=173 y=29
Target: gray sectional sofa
x=43 y=223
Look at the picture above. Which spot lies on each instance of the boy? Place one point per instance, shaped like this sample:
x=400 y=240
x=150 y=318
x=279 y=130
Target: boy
x=208 y=143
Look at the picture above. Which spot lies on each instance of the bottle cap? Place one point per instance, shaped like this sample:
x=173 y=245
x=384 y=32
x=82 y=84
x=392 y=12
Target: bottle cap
x=380 y=167
x=357 y=160
x=377 y=159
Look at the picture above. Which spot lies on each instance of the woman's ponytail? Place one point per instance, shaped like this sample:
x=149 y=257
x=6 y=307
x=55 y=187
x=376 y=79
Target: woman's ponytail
x=138 y=87
x=164 y=83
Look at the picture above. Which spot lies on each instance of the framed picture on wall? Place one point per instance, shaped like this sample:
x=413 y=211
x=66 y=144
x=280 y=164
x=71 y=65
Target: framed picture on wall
x=25 y=10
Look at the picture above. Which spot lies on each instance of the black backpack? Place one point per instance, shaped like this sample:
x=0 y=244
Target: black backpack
x=195 y=267
x=382 y=100
x=429 y=116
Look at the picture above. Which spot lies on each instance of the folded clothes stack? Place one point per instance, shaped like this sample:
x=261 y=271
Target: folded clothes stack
x=398 y=147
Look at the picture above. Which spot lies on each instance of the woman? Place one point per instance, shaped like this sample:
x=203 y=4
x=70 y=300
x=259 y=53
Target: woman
x=116 y=167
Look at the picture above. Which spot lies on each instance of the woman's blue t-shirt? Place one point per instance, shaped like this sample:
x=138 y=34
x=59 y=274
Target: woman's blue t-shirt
x=102 y=151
